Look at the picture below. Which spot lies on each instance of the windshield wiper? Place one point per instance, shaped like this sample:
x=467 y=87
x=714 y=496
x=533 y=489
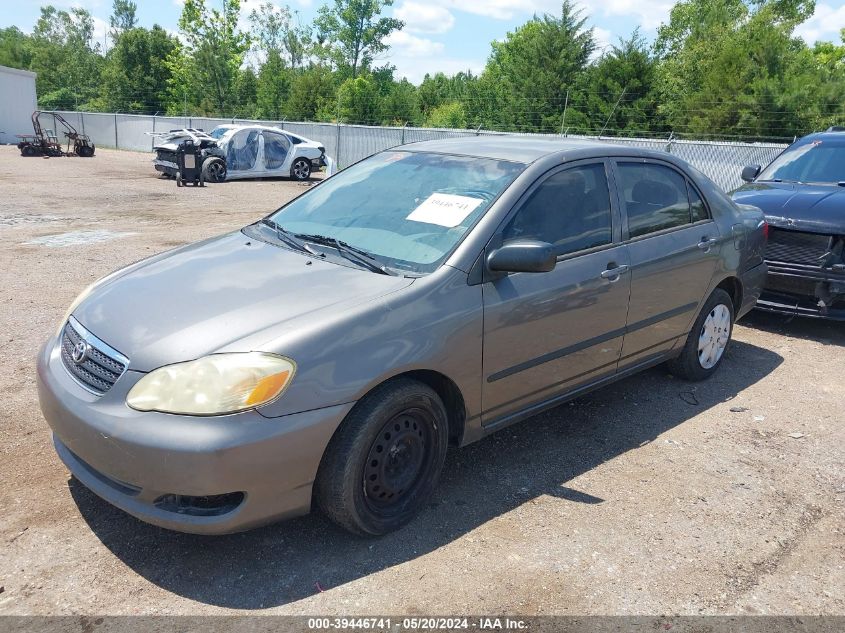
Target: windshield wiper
x=352 y=253
x=287 y=237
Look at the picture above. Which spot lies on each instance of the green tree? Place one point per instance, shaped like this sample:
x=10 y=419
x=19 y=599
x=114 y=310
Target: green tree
x=122 y=18
x=620 y=89
x=313 y=95
x=204 y=69
x=447 y=115
x=273 y=87
x=64 y=56
x=537 y=64
x=400 y=106
x=735 y=69
x=15 y=48
x=353 y=32
x=246 y=94
x=135 y=75
x=358 y=101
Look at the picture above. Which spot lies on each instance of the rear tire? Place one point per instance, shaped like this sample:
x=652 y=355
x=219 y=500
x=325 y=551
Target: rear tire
x=384 y=461
x=708 y=339
x=301 y=169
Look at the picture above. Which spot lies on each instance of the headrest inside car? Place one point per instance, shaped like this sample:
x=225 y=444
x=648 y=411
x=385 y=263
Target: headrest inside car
x=654 y=192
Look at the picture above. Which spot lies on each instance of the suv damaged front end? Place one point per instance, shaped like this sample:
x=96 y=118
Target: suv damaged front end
x=806 y=272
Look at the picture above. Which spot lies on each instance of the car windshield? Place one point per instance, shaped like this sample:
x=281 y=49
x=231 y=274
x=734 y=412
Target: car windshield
x=218 y=132
x=814 y=161
x=407 y=209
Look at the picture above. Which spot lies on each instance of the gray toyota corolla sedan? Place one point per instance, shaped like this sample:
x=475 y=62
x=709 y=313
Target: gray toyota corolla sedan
x=429 y=295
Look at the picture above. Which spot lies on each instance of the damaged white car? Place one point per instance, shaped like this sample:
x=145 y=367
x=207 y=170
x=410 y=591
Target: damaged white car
x=245 y=151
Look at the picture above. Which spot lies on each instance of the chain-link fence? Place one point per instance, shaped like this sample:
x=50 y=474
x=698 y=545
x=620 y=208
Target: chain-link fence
x=721 y=161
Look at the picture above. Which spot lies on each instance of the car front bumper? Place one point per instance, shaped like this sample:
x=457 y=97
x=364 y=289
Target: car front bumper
x=205 y=475
x=796 y=289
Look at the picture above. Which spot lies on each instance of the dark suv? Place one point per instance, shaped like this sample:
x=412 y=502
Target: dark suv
x=802 y=193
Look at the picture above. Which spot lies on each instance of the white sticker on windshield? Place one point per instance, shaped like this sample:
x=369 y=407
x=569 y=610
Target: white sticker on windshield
x=444 y=209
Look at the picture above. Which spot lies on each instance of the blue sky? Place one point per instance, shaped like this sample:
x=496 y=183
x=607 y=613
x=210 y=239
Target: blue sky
x=447 y=35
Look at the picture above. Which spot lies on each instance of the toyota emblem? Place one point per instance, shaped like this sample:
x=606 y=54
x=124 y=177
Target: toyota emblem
x=80 y=351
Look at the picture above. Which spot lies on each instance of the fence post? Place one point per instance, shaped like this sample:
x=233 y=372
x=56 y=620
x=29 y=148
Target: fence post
x=337 y=148
x=403 y=133
x=153 y=137
x=82 y=121
x=116 y=146
x=669 y=143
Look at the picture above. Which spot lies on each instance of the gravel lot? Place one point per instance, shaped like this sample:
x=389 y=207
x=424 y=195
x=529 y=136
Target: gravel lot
x=647 y=497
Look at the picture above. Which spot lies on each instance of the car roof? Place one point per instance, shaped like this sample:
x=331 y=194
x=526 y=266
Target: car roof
x=526 y=149
x=829 y=135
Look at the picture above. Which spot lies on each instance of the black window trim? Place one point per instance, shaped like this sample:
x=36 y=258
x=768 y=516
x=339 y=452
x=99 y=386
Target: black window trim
x=615 y=211
x=626 y=238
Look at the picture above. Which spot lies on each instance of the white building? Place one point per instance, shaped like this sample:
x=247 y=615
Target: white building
x=17 y=102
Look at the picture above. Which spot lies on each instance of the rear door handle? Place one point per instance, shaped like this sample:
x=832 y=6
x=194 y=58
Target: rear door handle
x=706 y=243
x=612 y=274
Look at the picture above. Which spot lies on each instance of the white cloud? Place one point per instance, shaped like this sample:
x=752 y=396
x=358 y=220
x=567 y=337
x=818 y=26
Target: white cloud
x=498 y=9
x=101 y=28
x=603 y=39
x=404 y=44
x=424 y=18
x=649 y=13
x=414 y=68
x=824 y=25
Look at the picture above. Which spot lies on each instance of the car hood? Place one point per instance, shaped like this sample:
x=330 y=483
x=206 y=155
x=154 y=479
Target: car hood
x=208 y=296
x=811 y=208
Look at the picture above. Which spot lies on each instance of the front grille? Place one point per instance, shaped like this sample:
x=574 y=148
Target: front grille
x=97 y=371
x=797 y=247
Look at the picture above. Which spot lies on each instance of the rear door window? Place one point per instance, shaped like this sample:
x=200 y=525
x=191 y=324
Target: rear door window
x=655 y=198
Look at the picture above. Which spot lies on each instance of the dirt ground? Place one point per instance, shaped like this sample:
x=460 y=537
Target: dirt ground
x=647 y=497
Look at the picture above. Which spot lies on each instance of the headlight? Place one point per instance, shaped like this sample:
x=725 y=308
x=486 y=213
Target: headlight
x=213 y=385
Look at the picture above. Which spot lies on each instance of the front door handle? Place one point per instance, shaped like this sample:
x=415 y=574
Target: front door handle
x=706 y=243
x=612 y=274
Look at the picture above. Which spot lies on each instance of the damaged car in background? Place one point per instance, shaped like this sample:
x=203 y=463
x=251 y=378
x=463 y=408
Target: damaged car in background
x=245 y=151
x=802 y=193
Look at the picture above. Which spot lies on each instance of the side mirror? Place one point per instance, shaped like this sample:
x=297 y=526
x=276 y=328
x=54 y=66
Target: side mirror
x=523 y=256
x=750 y=172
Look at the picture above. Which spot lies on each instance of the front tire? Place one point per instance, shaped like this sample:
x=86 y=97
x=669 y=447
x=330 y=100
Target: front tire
x=384 y=461
x=708 y=339
x=214 y=170
x=301 y=169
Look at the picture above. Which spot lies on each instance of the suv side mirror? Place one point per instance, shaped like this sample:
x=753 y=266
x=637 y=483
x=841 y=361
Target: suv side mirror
x=750 y=172
x=523 y=256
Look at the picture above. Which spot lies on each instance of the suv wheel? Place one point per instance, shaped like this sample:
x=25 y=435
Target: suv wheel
x=383 y=463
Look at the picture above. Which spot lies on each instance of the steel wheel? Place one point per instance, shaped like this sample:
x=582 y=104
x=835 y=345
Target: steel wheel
x=301 y=169
x=714 y=336
x=396 y=460
x=383 y=462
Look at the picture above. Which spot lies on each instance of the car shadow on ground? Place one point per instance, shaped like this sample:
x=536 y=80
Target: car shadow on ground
x=282 y=563
x=812 y=329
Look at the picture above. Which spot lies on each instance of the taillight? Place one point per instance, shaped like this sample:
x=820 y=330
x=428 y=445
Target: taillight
x=765 y=230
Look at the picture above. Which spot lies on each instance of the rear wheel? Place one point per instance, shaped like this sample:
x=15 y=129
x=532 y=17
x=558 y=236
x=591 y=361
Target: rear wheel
x=384 y=461
x=28 y=150
x=85 y=151
x=301 y=169
x=707 y=341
